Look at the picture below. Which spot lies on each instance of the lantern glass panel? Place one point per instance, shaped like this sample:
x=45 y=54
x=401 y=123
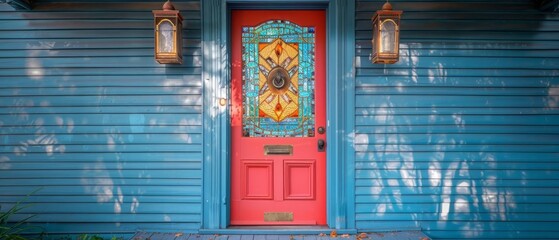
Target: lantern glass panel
x=388 y=37
x=165 y=37
x=374 y=40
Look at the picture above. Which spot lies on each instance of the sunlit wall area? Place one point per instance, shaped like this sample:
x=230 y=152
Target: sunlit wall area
x=109 y=139
x=460 y=138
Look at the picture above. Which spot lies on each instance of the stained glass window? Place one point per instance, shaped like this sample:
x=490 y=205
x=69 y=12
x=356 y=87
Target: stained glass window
x=278 y=80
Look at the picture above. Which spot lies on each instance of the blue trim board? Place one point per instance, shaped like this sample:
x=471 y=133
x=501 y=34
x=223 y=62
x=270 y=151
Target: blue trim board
x=279 y=5
x=340 y=157
x=348 y=79
x=340 y=112
x=216 y=118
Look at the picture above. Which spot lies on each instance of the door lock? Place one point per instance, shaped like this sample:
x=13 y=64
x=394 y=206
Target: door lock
x=321 y=145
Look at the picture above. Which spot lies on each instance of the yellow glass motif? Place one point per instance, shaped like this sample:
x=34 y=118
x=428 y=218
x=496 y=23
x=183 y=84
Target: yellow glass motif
x=278 y=99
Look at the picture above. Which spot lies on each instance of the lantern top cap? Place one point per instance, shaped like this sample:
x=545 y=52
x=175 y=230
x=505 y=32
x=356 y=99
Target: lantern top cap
x=387 y=6
x=168 y=6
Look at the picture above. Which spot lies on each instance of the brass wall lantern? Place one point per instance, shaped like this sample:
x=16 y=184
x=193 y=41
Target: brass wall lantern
x=386 y=35
x=168 y=34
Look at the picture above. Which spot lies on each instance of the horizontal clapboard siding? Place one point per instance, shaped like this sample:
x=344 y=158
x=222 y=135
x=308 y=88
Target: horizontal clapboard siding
x=461 y=137
x=112 y=138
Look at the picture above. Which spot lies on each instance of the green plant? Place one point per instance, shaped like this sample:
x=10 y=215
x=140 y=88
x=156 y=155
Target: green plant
x=11 y=230
x=95 y=237
x=89 y=237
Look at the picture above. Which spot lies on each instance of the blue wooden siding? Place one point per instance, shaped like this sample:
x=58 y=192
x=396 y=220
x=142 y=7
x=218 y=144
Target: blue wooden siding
x=113 y=138
x=461 y=137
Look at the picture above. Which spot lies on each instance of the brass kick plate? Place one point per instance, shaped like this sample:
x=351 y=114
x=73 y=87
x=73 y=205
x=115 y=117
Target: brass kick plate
x=278 y=150
x=278 y=217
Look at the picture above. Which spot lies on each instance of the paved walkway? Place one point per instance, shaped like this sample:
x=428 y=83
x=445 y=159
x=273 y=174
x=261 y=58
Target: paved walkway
x=400 y=235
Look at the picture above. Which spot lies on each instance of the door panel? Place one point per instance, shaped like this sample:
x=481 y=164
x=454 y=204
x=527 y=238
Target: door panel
x=298 y=178
x=257 y=180
x=278 y=103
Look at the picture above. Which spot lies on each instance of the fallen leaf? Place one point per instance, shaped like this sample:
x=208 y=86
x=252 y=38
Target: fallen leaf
x=178 y=234
x=425 y=238
x=322 y=235
x=345 y=235
x=363 y=235
x=333 y=234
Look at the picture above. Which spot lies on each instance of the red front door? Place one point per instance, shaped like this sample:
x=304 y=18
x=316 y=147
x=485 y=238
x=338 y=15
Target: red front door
x=278 y=117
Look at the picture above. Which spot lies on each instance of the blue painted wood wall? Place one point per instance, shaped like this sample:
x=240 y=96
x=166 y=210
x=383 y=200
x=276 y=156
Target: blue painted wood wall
x=86 y=113
x=461 y=137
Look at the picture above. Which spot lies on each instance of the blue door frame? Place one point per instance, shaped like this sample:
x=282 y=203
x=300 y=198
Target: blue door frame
x=340 y=202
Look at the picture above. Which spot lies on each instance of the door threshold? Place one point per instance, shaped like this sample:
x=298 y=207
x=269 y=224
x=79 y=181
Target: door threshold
x=277 y=230
x=278 y=227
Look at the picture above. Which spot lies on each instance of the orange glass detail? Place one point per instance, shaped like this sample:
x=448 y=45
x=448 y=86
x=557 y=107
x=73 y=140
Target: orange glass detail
x=278 y=97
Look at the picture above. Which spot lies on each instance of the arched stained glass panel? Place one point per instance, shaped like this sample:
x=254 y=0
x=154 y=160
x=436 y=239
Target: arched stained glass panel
x=278 y=80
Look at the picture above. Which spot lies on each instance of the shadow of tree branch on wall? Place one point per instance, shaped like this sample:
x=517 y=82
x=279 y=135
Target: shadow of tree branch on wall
x=458 y=148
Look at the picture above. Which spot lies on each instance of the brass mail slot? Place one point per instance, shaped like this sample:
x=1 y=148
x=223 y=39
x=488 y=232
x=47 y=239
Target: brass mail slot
x=278 y=217
x=278 y=150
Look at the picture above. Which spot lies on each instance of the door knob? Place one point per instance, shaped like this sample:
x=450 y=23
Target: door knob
x=321 y=145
